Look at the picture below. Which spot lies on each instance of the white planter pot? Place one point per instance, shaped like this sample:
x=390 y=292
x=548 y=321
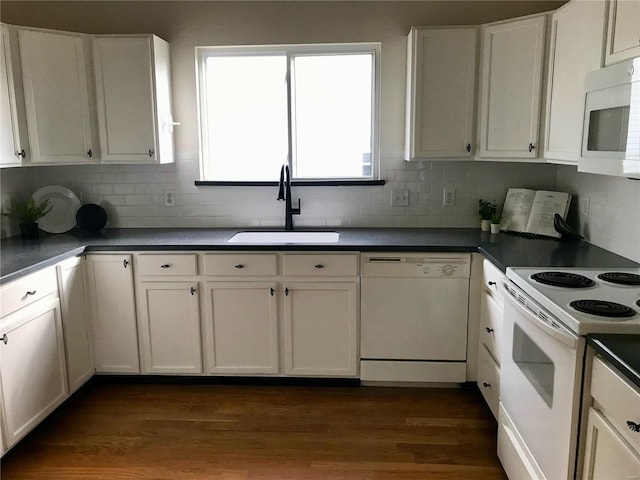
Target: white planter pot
x=495 y=228
x=485 y=225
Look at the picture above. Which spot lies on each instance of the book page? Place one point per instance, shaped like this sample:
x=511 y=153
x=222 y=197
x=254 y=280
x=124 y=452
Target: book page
x=545 y=205
x=515 y=213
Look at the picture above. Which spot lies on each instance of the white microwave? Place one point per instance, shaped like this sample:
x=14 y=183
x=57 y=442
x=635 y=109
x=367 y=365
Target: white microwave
x=611 y=134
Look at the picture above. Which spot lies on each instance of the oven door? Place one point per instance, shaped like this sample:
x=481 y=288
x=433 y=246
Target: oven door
x=540 y=379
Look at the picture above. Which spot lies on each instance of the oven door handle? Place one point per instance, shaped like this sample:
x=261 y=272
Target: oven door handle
x=553 y=328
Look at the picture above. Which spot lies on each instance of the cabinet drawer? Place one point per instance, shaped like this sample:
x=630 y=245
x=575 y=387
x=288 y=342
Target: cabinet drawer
x=246 y=264
x=491 y=324
x=321 y=265
x=166 y=264
x=26 y=290
x=617 y=399
x=491 y=277
x=489 y=379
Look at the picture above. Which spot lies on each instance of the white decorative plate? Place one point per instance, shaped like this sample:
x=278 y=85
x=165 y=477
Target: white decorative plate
x=62 y=216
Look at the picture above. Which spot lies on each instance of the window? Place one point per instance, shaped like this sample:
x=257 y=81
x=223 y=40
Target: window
x=311 y=106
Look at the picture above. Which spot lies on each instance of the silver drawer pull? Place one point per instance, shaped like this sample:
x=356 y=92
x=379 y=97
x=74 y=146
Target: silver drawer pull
x=5 y=339
x=32 y=292
x=166 y=265
x=486 y=385
x=488 y=330
x=319 y=266
x=492 y=283
x=240 y=265
x=633 y=426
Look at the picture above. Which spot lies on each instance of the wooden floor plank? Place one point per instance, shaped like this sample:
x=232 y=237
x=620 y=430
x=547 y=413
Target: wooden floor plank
x=123 y=431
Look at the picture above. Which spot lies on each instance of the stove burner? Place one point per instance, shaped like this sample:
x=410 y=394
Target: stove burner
x=621 y=278
x=603 y=308
x=563 y=279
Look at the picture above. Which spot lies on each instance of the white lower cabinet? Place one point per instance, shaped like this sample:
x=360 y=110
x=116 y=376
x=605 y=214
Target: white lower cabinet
x=611 y=447
x=33 y=366
x=113 y=313
x=169 y=327
x=241 y=328
x=607 y=455
x=320 y=329
x=75 y=322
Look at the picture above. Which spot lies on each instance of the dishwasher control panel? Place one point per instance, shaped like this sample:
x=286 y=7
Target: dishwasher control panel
x=416 y=265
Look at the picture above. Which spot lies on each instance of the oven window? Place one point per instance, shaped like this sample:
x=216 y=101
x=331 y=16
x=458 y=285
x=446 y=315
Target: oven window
x=608 y=129
x=534 y=363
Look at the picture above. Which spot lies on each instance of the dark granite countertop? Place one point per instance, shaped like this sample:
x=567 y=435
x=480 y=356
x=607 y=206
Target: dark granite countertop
x=19 y=257
x=622 y=351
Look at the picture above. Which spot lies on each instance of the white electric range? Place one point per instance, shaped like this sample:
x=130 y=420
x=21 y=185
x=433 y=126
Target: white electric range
x=547 y=313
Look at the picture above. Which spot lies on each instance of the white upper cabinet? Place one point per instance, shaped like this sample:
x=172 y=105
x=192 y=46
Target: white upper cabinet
x=623 y=34
x=441 y=73
x=133 y=99
x=12 y=138
x=54 y=74
x=577 y=35
x=512 y=58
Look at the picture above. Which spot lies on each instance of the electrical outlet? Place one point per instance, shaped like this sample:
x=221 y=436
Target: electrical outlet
x=169 y=198
x=400 y=198
x=584 y=203
x=448 y=197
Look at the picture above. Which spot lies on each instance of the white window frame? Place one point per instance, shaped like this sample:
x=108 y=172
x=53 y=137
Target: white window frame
x=202 y=53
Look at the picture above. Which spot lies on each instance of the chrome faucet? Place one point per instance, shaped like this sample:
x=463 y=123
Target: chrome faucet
x=284 y=193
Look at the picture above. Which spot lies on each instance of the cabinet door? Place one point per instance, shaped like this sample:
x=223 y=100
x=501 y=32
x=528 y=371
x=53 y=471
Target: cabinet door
x=440 y=98
x=169 y=323
x=124 y=90
x=607 y=455
x=577 y=36
x=32 y=368
x=113 y=313
x=56 y=97
x=511 y=81
x=12 y=151
x=623 y=34
x=241 y=329
x=320 y=329
x=75 y=322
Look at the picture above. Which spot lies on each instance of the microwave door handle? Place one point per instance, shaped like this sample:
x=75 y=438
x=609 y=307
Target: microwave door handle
x=556 y=331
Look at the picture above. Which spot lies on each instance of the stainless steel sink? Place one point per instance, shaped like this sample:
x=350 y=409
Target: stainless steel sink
x=285 y=237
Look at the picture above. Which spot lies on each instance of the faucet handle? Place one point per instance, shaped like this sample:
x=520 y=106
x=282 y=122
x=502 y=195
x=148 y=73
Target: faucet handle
x=296 y=211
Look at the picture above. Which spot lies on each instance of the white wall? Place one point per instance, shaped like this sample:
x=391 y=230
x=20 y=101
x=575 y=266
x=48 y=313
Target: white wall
x=613 y=219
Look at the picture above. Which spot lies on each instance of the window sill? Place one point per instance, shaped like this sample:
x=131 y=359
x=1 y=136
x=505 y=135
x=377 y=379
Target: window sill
x=294 y=183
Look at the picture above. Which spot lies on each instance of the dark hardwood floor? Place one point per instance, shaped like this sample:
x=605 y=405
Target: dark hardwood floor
x=124 y=431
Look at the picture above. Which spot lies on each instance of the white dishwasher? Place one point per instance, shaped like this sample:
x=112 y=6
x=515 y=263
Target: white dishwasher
x=414 y=311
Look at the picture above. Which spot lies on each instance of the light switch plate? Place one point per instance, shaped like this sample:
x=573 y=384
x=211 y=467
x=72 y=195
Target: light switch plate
x=400 y=198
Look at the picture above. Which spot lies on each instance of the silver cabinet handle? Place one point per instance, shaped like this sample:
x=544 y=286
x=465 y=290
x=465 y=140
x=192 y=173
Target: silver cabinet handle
x=319 y=266
x=486 y=385
x=488 y=330
x=125 y=262
x=491 y=283
x=239 y=266
x=166 y=265
x=32 y=292
x=531 y=147
x=151 y=152
x=21 y=153
x=272 y=291
x=192 y=290
x=90 y=153
x=5 y=339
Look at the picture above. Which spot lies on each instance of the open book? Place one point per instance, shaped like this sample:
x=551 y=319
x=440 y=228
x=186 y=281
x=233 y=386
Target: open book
x=531 y=211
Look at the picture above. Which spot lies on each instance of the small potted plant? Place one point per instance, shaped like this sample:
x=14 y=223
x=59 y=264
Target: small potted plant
x=485 y=210
x=28 y=212
x=495 y=223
